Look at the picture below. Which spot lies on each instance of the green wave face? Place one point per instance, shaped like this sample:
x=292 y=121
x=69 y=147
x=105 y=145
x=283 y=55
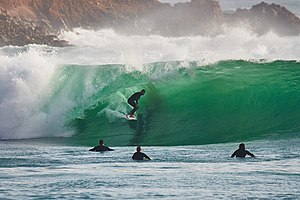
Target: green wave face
x=184 y=104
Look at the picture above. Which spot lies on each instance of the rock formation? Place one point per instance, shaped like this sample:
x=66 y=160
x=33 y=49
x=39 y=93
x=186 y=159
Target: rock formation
x=263 y=17
x=198 y=17
x=39 y=21
x=21 y=31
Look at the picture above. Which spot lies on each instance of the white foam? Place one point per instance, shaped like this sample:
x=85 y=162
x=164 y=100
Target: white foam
x=107 y=47
x=24 y=91
x=26 y=73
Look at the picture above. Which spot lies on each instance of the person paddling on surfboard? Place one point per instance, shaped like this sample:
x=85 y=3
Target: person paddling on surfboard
x=133 y=101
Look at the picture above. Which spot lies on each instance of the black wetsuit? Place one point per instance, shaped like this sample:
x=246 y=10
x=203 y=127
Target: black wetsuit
x=133 y=101
x=139 y=156
x=101 y=148
x=241 y=153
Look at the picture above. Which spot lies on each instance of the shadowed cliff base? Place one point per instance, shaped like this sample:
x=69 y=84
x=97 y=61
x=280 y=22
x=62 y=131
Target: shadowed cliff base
x=41 y=21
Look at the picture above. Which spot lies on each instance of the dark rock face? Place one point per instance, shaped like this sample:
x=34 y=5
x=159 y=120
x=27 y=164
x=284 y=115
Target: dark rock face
x=133 y=16
x=38 y=21
x=17 y=31
x=198 y=17
x=264 y=17
x=33 y=21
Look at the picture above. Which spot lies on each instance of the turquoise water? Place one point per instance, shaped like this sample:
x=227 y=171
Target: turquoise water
x=43 y=170
x=55 y=104
x=184 y=104
x=191 y=119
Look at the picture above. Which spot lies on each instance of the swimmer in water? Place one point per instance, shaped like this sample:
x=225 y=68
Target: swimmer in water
x=138 y=155
x=241 y=152
x=101 y=147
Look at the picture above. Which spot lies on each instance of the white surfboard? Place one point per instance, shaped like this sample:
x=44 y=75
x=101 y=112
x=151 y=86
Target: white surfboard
x=130 y=118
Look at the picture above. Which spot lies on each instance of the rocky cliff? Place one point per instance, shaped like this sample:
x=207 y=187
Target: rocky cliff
x=134 y=16
x=198 y=17
x=38 y=21
x=263 y=17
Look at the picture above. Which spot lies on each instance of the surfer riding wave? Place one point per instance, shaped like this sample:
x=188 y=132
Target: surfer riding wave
x=133 y=101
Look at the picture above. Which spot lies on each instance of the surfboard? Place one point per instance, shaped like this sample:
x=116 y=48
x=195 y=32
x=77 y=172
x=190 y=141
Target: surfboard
x=130 y=118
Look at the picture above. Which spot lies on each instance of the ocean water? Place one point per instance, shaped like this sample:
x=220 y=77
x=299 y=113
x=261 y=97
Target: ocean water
x=43 y=170
x=203 y=97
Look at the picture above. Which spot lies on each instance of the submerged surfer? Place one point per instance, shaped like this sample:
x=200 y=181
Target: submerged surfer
x=241 y=152
x=101 y=147
x=133 y=101
x=138 y=155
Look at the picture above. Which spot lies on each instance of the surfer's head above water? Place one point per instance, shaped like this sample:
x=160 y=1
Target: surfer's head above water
x=242 y=146
x=143 y=91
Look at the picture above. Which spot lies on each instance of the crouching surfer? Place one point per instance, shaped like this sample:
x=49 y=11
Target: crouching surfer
x=133 y=101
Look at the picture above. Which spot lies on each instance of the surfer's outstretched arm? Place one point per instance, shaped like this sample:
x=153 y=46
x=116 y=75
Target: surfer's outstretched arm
x=109 y=149
x=147 y=157
x=250 y=154
x=234 y=154
x=93 y=149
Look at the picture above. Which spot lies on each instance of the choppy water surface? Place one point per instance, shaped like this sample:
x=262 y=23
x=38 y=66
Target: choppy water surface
x=38 y=170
